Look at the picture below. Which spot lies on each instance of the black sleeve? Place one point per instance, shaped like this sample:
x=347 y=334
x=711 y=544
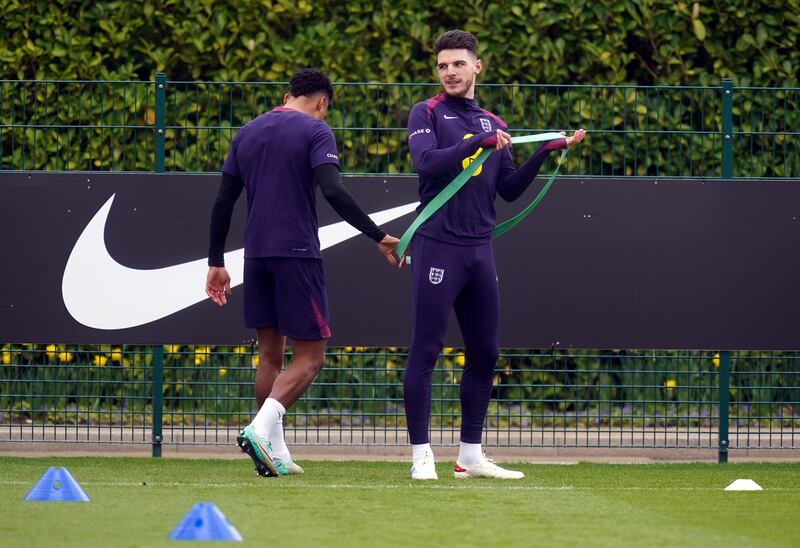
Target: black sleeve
x=343 y=203
x=229 y=190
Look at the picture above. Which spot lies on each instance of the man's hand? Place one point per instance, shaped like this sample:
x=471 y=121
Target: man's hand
x=387 y=247
x=576 y=137
x=218 y=284
x=503 y=140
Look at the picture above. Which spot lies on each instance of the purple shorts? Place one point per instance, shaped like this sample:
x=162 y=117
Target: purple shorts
x=288 y=294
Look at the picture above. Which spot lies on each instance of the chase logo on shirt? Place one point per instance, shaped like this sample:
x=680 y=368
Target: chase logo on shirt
x=436 y=275
x=421 y=130
x=334 y=156
x=486 y=124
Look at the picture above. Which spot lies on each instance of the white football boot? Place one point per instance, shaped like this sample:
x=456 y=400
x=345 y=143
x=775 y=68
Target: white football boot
x=485 y=468
x=424 y=468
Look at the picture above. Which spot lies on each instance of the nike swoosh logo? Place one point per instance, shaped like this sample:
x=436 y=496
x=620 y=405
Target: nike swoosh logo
x=446 y=117
x=102 y=294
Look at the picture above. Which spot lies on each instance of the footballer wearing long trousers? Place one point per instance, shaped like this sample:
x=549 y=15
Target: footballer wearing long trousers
x=280 y=157
x=453 y=262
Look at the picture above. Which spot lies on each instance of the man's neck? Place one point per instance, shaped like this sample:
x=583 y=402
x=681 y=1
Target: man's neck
x=300 y=104
x=465 y=97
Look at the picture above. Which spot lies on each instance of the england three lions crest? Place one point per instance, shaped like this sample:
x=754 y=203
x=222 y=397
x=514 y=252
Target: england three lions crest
x=436 y=275
x=486 y=124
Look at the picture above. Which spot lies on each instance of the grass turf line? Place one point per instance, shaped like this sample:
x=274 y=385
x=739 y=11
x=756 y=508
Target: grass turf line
x=138 y=501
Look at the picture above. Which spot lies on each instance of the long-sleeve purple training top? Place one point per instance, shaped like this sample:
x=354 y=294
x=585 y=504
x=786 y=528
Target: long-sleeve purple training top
x=445 y=134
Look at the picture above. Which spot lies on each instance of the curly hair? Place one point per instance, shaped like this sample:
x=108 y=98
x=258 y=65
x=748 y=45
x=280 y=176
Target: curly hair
x=456 y=39
x=309 y=81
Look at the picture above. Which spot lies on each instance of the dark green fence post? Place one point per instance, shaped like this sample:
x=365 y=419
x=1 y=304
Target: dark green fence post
x=158 y=390
x=727 y=128
x=161 y=118
x=724 y=404
x=725 y=357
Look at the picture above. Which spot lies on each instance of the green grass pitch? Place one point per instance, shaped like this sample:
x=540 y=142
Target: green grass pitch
x=138 y=501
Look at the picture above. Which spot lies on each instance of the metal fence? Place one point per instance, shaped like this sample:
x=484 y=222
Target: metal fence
x=187 y=126
x=542 y=398
x=569 y=399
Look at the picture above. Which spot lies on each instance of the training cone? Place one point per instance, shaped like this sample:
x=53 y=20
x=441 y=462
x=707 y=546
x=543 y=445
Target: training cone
x=744 y=485
x=204 y=521
x=57 y=485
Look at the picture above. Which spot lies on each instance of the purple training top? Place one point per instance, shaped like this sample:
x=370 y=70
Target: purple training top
x=444 y=135
x=275 y=155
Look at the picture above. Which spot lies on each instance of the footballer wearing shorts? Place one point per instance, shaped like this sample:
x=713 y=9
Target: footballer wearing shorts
x=453 y=264
x=279 y=158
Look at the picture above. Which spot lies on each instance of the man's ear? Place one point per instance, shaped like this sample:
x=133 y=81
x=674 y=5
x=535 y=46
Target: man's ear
x=285 y=98
x=478 y=66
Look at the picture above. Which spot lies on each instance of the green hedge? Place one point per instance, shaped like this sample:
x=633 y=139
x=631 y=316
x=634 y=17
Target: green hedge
x=636 y=131
x=560 y=41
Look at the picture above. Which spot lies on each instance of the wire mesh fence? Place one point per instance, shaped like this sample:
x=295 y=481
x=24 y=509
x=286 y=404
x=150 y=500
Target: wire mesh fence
x=634 y=130
x=620 y=398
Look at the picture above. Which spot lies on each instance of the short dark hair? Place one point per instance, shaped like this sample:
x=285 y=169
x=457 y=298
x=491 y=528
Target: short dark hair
x=308 y=81
x=456 y=39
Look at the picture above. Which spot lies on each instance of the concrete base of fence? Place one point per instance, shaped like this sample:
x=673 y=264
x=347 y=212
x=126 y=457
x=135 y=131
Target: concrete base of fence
x=542 y=445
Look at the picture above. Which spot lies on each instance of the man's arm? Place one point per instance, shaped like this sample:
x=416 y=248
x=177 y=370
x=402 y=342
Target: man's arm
x=343 y=203
x=513 y=182
x=229 y=190
x=218 y=281
x=431 y=161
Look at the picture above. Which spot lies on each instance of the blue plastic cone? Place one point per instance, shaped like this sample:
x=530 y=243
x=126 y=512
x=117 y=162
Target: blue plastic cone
x=57 y=485
x=204 y=521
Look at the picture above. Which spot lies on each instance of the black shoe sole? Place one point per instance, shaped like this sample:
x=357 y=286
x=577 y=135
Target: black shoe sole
x=246 y=447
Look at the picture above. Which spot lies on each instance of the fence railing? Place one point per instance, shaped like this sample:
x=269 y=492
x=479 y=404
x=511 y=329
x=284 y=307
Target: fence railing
x=658 y=131
x=201 y=395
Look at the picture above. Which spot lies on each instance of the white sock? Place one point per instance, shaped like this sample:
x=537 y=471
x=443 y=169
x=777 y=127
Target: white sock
x=269 y=414
x=469 y=454
x=279 y=449
x=419 y=450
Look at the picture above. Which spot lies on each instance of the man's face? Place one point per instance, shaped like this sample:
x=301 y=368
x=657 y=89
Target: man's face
x=457 y=69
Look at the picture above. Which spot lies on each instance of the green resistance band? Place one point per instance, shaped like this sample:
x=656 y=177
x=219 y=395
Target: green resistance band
x=462 y=178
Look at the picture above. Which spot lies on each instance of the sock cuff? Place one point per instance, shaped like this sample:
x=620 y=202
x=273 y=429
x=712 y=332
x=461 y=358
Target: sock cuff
x=278 y=406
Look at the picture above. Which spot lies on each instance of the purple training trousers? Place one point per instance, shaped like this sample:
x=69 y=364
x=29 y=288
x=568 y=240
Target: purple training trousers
x=452 y=277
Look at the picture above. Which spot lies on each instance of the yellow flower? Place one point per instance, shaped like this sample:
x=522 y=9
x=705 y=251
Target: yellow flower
x=173 y=348
x=447 y=349
x=254 y=360
x=361 y=348
x=99 y=360
x=715 y=360
x=222 y=372
x=670 y=384
x=348 y=349
x=116 y=355
x=240 y=350
x=65 y=356
x=51 y=351
x=460 y=360
x=6 y=358
x=201 y=354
